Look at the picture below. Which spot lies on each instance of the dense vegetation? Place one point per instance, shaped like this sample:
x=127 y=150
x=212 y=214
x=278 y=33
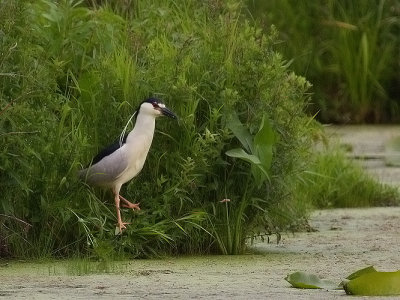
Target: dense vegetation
x=348 y=49
x=74 y=72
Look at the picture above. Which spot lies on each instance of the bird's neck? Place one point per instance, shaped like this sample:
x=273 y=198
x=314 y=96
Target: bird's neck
x=144 y=126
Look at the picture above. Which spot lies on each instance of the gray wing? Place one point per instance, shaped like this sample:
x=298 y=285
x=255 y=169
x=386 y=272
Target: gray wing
x=107 y=170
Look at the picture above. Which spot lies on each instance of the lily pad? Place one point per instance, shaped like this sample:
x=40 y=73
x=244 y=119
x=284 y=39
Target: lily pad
x=303 y=280
x=374 y=284
x=358 y=273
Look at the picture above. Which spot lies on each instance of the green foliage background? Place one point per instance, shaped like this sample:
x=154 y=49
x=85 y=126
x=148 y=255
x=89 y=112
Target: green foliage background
x=73 y=72
x=348 y=49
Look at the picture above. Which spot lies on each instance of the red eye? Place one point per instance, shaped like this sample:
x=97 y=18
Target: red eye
x=155 y=105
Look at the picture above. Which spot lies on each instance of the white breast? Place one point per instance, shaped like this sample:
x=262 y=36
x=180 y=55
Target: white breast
x=137 y=147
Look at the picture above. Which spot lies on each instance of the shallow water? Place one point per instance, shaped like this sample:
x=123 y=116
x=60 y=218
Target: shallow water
x=346 y=240
x=375 y=147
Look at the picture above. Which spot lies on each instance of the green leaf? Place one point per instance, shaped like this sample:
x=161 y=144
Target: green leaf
x=358 y=273
x=260 y=174
x=303 y=280
x=374 y=284
x=264 y=141
x=240 y=153
x=240 y=132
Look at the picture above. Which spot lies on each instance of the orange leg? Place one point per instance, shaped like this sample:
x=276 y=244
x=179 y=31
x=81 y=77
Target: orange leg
x=129 y=204
x=120 y=224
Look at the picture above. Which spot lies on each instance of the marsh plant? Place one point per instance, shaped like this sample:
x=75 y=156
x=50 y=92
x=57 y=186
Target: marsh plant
x=348 y=49
x=333 y=180
x=73 y=72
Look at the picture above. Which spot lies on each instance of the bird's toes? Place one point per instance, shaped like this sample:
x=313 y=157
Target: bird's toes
x=122 y=226
x=132 y=205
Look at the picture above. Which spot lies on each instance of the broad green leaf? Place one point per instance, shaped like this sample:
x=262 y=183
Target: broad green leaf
x=303 y=280
x=259 y=173
x=240 y=153
x=374 y=284
x=240 y=132
x=261 y=150
x=358 y=273
x=264 y=140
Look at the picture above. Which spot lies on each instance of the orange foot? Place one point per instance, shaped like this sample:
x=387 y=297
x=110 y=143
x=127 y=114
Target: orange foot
x=121 y=226
x=129 y=204
x=132 y=205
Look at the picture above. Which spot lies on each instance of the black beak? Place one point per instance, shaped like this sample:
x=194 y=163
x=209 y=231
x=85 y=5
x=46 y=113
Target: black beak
x=166 y=112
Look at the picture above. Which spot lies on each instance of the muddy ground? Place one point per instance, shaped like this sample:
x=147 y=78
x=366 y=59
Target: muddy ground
x=346 y=240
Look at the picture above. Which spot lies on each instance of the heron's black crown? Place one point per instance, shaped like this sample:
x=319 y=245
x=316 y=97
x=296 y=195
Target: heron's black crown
x=152 y=101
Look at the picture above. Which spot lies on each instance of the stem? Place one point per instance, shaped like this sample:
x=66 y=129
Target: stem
x=15 y=218
x=238 y=225
x=228 y=226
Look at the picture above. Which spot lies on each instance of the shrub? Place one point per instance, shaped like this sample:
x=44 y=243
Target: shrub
x=85 y=70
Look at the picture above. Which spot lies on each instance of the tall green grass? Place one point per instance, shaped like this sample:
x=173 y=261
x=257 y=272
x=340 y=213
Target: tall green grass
x=335 y=181
x=77 y=70
x=347 y=49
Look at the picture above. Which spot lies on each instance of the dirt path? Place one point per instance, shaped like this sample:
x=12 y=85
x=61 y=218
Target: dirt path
x=346 y=240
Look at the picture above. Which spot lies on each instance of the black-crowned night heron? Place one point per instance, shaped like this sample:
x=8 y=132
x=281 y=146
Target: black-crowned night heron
x=123 y=160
